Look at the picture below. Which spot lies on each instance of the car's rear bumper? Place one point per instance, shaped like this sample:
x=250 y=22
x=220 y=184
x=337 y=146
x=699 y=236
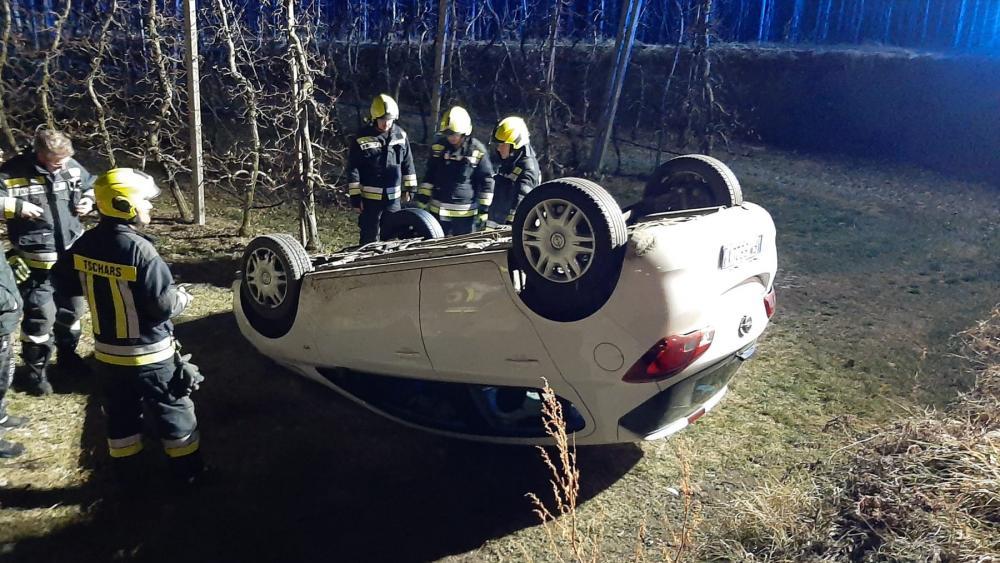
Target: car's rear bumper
x=674 y=408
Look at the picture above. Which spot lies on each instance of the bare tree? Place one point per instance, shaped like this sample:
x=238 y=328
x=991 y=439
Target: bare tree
x=439 y=60
x=96 y=71
x=163 y=127
x=623 y=50
x=44 y=90
x=248 y=92
x=550 y=85
x=661 y=131
x=700 y=104
x=302 y=92
x=8 y=132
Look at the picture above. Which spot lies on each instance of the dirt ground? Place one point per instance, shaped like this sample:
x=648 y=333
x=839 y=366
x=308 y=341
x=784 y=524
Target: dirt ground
x=879 y=265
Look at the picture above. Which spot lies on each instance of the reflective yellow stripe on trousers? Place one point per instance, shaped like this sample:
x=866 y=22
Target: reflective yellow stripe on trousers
x=182 y=446
x=125 y=447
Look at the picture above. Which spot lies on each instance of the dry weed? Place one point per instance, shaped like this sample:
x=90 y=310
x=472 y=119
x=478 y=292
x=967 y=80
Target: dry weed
x=562 y=525
x=573 y=538
x=924 y=488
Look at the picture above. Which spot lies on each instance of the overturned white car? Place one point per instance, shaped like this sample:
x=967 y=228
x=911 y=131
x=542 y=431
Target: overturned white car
x=637 y=320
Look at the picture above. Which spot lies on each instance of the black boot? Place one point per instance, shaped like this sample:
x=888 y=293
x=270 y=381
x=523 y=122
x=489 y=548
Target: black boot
x=36 y=360
x=10 y=421
x=129 y=473
x=188 y=471
x=10 y=449
x=70 y=363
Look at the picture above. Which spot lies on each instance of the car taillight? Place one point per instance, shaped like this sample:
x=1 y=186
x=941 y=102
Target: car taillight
x=670 y=356
x=770 y=301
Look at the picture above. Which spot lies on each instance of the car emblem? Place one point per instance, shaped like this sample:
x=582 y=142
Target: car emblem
x=558 y=241
x=746 y=323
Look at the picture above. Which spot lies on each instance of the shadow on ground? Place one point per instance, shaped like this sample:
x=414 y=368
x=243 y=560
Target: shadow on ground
x=301 y=474
x=219 y=271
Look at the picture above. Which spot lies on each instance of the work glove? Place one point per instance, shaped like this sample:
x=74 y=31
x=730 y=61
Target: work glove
x=187 y=377
x=21 y=270
x=184 y=294
x=479 y=222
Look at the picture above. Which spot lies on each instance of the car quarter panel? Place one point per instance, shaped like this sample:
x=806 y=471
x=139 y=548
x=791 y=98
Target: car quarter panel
x=364 y=321
x=671 y=283
x=474 y=332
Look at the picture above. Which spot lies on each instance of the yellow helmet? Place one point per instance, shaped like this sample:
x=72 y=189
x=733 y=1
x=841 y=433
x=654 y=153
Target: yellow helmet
x=512 y=130
x=384 y=106
x=119 y=190
x=457 y=120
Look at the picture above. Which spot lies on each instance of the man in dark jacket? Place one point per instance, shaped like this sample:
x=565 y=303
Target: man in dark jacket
x=518 y=172
x=44 y=191
x=458 y=185
x=132 y=298
x=10 y=312
x=379 y=167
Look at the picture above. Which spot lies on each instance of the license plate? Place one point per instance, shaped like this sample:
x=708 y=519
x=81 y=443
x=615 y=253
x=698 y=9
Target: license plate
x=739 y=253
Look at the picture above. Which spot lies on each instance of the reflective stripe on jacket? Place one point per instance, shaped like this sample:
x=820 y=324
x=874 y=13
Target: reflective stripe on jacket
x=23 y=179
x=10 y=299
x=379 y=165
x=130 y=292
x=514 y=178
x=459 y=180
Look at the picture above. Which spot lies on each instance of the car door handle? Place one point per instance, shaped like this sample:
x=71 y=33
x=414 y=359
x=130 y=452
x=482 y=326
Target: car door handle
x=521 y=360
x=407 y=352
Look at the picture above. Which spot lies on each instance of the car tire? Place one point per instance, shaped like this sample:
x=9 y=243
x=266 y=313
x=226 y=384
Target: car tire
x=564 y=281
x=408 y=223
x=273 y=267
x=692 y=181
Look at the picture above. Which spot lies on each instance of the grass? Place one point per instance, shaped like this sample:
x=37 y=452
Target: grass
x=303 y=474
x=925 y=486
x=839 y=360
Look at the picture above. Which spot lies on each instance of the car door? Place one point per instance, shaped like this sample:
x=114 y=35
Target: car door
x=473 y=332
x=366 y=321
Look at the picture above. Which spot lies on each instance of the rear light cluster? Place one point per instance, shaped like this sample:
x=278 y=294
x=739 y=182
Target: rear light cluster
x=670 y=356
x=770 y=301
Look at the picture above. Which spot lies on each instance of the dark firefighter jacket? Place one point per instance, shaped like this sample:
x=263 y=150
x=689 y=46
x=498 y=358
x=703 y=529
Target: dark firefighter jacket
x=379 y=165
x=22 y=179
x=10 y=298
x=515 y=177
x=130 y=291
x=459 y=181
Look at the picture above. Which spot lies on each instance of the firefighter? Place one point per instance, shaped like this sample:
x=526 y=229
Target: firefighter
x=10 y=312
x=458 y=186
x=44 y=192
x=379 y=167
x=132 y=298
x=518 y=172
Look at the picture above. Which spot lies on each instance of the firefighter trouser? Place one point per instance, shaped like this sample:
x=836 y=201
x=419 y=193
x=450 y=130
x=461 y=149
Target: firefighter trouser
x=505 y=202
x=48 y=315
x=370 y=220
x=456 y=225
x=127 y=390
x=6 y=371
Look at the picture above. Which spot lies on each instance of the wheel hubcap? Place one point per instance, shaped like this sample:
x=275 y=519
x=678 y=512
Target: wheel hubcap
x=558 y=240
x=266 y=278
